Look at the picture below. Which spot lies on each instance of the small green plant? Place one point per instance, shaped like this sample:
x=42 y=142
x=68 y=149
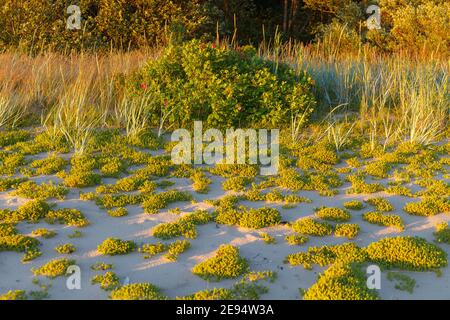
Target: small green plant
x=296 y=239
x=403 y=281
x=226 y=263
x=119 y=212
x=380 y=204
x=44 y=233
x=54 y=268
x=176 y=248
x=151 y=250
x=267 y=238
x=69 y=217
x=101 y=266
x=108 y=281
x=381 y=219
x=113 y=246
x=14 y=295
x=428 y=206
x=333 y=214
x=137 y=291
x=30 y=190
x=348 y=230
x=236 y=183
x=442 y=233
x=75 y=234
x=308 y=226
x=354 y=205
x=67 y=248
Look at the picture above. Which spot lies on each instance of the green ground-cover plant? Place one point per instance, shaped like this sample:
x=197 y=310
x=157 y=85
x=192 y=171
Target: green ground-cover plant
x=380 y=204
x=185 y=226
x=14 y=295
x=309 y=226
x=47 y=166
x=11 y=162
x=408 y=253
x=236 y=183
x=333 y=214
x=226 y=263
x=200 y=182
x=69 y=217
x=348 y=230
x=101 y=266
x=434 y=188
x=296 y=239
x=7 y=229
x=53 y=268
x=109 y=201
x=354 y=205
x=20 y=243
x=44 y=233
x=176 y=248
x=267 y=238
x=399 y=190
x=158 y=201
x=114 y=246
x=32 y=211
x=249 y=218
x=137 y=291
x=8 y=183
x=359 y=185
x=108 y=281
x=31 y=190
x=67 y=248
x=442 y=233
x=150 y=249
x=382 y=219
x=119 y=212
x=403 y=281
x=428 y=206
x=8 y=138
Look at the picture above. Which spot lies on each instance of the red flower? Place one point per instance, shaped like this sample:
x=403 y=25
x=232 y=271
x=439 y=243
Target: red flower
x=166 y=102
x=144 y=86
x=213 y=45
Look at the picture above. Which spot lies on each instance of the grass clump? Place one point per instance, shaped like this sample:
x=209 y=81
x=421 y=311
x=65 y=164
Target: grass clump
x=227 y=263
x=428 y=206
x=308 y=226
x=408 y=253
x=386 y=220
x=119 y=212
x=176 y=248
x=54 y=268
x=354 y=205
x=333 y=214
x=348 y=230
x=380 y=204
x=341 y=282
x=137 y=291
x=296 y=239
x=108 y=281
x=67 y=248
x=113 y=246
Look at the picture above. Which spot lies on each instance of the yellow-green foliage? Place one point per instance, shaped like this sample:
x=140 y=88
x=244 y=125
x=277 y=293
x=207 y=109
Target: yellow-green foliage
x=234 y=170
x=353 y=205
x=54 y=268
x=14 y=295
x=227 y=263
x=399 y=190
x=8 y=138
x=31 y=190
x=113 y=246
x=210 y=294
x=176 y=248
x=409 y=253
x=326 y=255
x=378 y=169
x=434 y=188
x=404 y=282
x=8 y=183
x=236 y=183
x=137 y=291
x=44 y=233
x=80 y=174
x=111 y=167
x=428 y=206
x=296 y=239
x=185 y=226
x=119 y=212
x=200 y=181
x=109 y=201
x=267 y=238
x=153 y=203
x=7 y=229
x=360 y=186
x=69 y=217
x=33 y=210
x=50 y=165
x=67 y=248
x=20 y=243
x=249 y=218
x=311 y=227
x=341 y=281
x=442 y=233
x=333 y=214
x=101 y=266
x=151 y=250
x=380 y=204
x=381 y=219
x=10 y=162
x=349 y=230
x=107 y=281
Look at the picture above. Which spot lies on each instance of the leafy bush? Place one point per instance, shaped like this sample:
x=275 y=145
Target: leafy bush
x=381 y=204
x=54 y=268
x=409 y=253
x=69 y=217
x=311 y=227
x=21 y=243
x=388 y=220
x=296 y=239
x=353 y=205
x=151 y=250
x=101 y=266
x=223 y=87
x=119 y=212
x=113 y=246
x=349 y=230
x=236 y=183
x=442 y=233
x=33 y=210
x=107 y=281
x=50 y=165
x=341 y=282
x=226 y=263
x=333 y=214
x=44 y=233
x=176 y=248
x=249 y=218
x=137 y=291
x=160 y=200
x=67 y=248
x=31 y=190
x=429 y=206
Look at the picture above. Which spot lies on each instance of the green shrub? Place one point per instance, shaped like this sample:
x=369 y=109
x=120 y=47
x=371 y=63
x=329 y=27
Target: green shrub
x=9 y=163
x=185 y=226
x=360 y=186
x=442 y=233
x=428 y=206
x=399 y=190
x=161 y=200
x=119 y=212
x=296 y=239
x=381 y=204
x=8 y=183
x=223 y=87
x=249 y=218
x=404 y=282
x=31 y=190
x=388 y=220
x=44 y=233
x=107 y=281
x=54 y=268
x=226 y=263
x=151 y=250
x=81 y=179
x=69 y=217
x=378 y=169
x=112 y=167
x=7 y=229
x=137 y=291
x=14 y=295
x=67 y=248
x=176 y=248
x=113 y=246
x=349 y=230
x=236 y=183
x=20 y=243
x=8 y=138
x=200 y=182
x=33 y=210
x=341 y=282
x=50 y=165
x=101 y=266
x=333 y=214
x=353 y=205
x=267 y=238
x=308 y=226
x=409 y=253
